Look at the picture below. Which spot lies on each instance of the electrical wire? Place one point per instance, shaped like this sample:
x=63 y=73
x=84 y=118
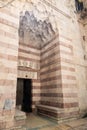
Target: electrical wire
x=7 y=4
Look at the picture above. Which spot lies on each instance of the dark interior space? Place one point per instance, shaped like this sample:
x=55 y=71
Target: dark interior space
x=24 y=95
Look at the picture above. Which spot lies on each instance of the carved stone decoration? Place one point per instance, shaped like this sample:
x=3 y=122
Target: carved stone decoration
x=70 y=4
x=38 y=32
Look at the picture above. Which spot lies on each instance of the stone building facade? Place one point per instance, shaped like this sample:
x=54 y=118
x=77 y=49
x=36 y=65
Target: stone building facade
x=44 y=41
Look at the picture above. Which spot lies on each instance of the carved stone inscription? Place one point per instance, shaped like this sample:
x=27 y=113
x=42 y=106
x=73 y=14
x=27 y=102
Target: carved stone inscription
x=26 y=74
x=29 y=64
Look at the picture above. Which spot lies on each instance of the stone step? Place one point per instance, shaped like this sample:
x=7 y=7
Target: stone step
x=49 y=108
x=58 y=114
x=19 y=115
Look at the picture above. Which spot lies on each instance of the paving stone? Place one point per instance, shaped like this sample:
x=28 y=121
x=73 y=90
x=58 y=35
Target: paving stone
x=64 y=127
x=38 y=123
x=50 y=128
x=82 y=127
x=77 y=123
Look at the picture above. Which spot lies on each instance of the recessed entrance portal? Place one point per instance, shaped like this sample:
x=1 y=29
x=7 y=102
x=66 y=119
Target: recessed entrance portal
x=24 y=95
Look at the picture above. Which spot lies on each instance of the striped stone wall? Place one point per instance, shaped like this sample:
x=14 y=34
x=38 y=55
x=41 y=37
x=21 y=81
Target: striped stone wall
x=68 y=77
x=50 y=74
x=29 y=68
x=59 y=96
x=8 y=65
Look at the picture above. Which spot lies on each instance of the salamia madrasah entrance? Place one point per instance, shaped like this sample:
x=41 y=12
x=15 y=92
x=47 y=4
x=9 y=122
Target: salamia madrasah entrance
x=43 y=60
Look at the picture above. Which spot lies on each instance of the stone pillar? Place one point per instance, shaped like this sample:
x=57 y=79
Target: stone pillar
x=59 y=95
x=51 y=83
x=69 y=83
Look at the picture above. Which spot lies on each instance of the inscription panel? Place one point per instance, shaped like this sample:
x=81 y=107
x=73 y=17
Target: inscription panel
x=29 y=64
x=26 y=74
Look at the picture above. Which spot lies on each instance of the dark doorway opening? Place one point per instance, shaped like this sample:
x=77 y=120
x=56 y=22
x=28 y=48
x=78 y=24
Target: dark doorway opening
x=24 y=95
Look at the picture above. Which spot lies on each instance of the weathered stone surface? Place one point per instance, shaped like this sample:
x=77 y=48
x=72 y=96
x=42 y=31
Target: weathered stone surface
x=39 y=32
x=8 y=104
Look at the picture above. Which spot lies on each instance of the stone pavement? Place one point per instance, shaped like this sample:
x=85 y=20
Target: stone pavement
x=39 y=123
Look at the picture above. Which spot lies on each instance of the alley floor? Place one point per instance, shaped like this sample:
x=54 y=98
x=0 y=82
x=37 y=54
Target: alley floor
x=34 y=122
